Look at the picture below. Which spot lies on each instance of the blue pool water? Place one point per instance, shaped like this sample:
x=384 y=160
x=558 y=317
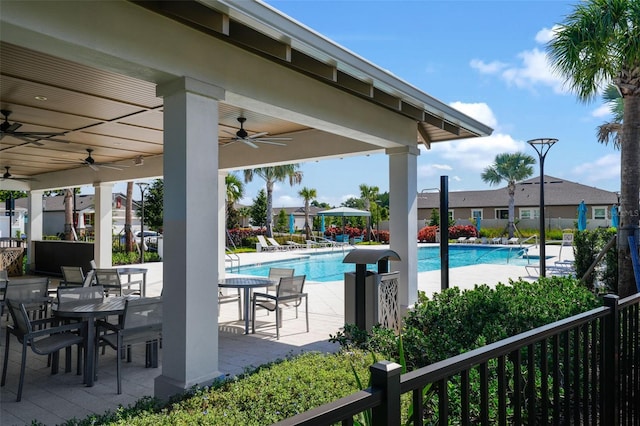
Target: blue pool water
x=329 y=267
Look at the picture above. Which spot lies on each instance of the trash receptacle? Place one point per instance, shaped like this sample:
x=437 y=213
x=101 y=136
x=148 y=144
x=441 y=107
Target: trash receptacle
x=361 y=288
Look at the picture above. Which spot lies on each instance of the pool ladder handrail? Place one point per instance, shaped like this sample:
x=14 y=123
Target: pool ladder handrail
x=231 y=257
x=520 y=246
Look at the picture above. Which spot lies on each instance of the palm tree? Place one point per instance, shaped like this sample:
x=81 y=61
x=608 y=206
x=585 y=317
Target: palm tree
x=510 y=168
x=612 y=131
x=308 y=194
x=128 y=219
x=369 y=194
x=271 y=175
x=235 y=191
x=68 y=214
x=595 y=43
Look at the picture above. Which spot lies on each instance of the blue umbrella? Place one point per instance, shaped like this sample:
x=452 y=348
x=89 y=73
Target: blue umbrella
x=582 y=216
x=615 y=217
x=478 y=224
x=322 y=227
x=292 y=227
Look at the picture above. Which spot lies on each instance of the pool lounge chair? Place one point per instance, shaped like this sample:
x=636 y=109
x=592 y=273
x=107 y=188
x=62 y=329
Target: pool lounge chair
x=471 y=240
x=294 y=245
x=496 y=240
x=461 y=240
x=277 y=245
x=513 y=240
x=264 y=245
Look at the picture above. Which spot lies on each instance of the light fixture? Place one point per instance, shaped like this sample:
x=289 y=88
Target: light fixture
x=40 y=98
x=542 y=146
x=138 y=160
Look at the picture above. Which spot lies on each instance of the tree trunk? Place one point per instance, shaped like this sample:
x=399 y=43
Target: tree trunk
x=68 y=214
x=306 y=220
x=269 y=218
x=512 y=207
x=128 y=219
x=629 y=187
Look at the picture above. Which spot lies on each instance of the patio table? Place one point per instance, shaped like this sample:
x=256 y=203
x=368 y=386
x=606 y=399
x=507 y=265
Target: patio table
x=89 y=312
x=246 y=284
x=128 y=271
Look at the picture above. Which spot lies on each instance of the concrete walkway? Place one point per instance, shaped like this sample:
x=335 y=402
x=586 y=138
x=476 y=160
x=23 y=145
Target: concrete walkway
x=54 y=399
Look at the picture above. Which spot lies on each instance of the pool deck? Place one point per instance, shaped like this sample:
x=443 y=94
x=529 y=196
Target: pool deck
x=54 y=399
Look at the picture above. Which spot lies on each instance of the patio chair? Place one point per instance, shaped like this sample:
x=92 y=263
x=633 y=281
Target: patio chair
x=224 y=297
x=264 y=245
x=44 y=338
x=276 y=273
x=277 y=245
x=496 y=240
x=471 y=240
x=33 y=291
x=461 y=240
x=513 y=240
x=141 y=324
x=72 y=276
x=74 y=294
x=113 y=285
x=289 y=294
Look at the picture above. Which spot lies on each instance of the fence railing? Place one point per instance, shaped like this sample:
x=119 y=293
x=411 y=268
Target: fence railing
x=581 y=370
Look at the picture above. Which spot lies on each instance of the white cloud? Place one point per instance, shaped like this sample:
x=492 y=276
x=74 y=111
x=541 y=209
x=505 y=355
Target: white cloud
x=534 y=70
x=487 y=67
x=457 y=178
x=601 y=111
x=607 y=167
x=545 y=35
x=480 y=111
x=285 y=201
x=477 y=153
x=432 y=169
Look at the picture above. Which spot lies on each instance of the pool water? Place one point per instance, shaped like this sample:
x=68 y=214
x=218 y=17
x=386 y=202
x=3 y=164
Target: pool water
x=329 y=267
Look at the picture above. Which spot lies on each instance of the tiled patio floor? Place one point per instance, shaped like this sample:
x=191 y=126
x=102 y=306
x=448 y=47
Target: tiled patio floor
x=54 y=399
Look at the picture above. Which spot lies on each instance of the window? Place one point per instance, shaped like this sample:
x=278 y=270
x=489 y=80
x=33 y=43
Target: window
x=451 y=215
x=599 y=212
x=502 y=214
x=476 y=213
x=529 y=213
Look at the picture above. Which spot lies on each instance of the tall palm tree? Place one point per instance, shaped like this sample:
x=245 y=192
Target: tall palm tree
x=369 y=194
x=271 y=175
x=612 y=131
x=308 y=194
x=598 y=42
x=128 y=219
x=510 y=168
x=235 y=191
x=68 y=214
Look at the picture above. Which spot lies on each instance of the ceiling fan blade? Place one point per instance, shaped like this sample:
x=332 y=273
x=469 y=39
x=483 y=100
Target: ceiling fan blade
x=257 y=135
x=93 y=167
x=13 y=127
x=40 y=133
x=268 y=142
x=250 y=143
x=109 y=166
x=274 y=139
x=27 y=139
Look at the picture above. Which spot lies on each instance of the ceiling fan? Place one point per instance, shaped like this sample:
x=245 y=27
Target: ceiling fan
x=91 y=162
x=7 y=176
x=242 y=136
x=36 y=138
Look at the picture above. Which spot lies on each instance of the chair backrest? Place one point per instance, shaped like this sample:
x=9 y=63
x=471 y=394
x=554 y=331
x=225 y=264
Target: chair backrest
x=145 y=312
x=72 y=276
x=110 y=280
x=26 y=289
x=273 y=242
x=75 y=294
x=262 y=241
x=291 y=286
x=93 y=264
x=276 y=273
x=89 y=279
x=567 y=239
x=21 y=323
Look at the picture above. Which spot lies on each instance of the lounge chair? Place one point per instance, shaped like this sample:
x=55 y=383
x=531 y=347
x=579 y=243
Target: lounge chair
x=325 y=242
x=513 y=240
x=496 y=240
x=471 y=240
x=294 y=245
x=264 y=245
x=461 y=240
x=277 y=245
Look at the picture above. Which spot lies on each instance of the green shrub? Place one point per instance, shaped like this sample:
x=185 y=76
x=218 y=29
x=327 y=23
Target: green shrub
x=124 y=258
x=587 y=246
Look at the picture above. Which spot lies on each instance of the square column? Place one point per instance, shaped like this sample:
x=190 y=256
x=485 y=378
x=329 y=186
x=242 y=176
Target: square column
x=222 y=226
x=103 y=227
x=191 y=236
x=403 y=226
x=34 y=225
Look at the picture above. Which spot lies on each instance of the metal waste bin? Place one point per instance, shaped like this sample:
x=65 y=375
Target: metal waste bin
x=361 y=298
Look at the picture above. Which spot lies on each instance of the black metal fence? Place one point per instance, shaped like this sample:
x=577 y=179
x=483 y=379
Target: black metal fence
x=581 y=370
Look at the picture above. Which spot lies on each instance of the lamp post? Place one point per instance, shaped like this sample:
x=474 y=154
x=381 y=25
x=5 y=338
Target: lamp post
x=542 y=146
x=444 y=230
x=142 y=186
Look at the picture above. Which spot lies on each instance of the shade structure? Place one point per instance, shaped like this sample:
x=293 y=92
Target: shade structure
x=615 y=217
x=582 y=216
x=322 y=225
x=344 y=212
x=292 y=226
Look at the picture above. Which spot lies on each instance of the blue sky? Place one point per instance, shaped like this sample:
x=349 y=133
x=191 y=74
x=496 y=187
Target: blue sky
x=485 y=58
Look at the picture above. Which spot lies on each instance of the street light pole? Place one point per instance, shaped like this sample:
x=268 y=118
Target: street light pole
x=542 y=146
x=142 y=186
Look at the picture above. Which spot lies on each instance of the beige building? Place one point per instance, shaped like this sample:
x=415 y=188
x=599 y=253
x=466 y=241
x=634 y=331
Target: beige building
x=561 y=199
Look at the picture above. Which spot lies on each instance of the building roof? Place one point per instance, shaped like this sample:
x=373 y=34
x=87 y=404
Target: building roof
x=557 y=192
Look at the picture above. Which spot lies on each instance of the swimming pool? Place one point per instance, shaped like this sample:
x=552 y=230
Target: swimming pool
x=329 y=267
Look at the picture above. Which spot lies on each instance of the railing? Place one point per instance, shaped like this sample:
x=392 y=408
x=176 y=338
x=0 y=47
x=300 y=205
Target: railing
x=580 y=370
x=11 y=242
x=231 y=257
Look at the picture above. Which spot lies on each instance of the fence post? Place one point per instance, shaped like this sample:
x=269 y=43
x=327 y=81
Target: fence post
x=610 y=354
x=385 y=375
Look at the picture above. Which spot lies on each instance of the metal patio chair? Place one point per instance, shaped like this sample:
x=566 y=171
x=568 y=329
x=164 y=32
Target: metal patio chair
x=289 y=294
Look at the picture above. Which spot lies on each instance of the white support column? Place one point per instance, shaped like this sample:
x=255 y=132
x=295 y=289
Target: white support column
x=222 y=226
x=103 y=229
x=403 y=226
x=191 y=236
x=34 y=226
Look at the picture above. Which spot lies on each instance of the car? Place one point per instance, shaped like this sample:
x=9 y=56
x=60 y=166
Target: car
x=149 y=237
